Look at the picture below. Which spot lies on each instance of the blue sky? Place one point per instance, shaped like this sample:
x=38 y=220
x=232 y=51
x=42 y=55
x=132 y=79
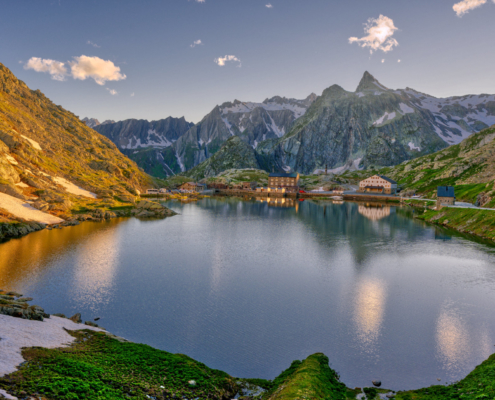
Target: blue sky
x=290 y=49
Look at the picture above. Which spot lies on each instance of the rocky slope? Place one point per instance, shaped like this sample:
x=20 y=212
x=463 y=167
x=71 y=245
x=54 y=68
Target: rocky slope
x=469 y=166
x=374 y=126
x=51 y=159
x=252 y=122
x=92 y=122
x=234 y=154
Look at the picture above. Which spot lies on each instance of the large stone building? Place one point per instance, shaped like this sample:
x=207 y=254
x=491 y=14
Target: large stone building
x=284 y=180
x=445 y=196
x=378 y=184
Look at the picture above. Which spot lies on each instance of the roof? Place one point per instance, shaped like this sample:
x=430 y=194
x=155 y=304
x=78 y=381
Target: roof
x=283 y=175
x=374 y=187
x=388 y=179
x=445 y=191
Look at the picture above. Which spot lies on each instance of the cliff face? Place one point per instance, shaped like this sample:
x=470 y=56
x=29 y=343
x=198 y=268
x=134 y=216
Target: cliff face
x=46 y=148
x=252 y=122
x=132 y=134
x=374 y=126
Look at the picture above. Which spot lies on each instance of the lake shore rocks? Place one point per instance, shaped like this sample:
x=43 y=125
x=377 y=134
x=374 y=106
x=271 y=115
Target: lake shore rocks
x=11 y=227
x=13 y=304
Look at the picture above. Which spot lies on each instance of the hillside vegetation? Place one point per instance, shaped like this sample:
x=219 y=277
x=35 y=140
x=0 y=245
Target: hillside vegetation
x=468 y=166
x=51 y=158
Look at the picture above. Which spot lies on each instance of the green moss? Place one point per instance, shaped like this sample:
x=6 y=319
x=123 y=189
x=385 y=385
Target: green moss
x=479 y=384
x=100 y=367
x=310 y=379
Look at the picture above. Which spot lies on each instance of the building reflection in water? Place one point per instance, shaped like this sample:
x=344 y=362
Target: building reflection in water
x=282 y=202
x=369 y=309
x=374 y=212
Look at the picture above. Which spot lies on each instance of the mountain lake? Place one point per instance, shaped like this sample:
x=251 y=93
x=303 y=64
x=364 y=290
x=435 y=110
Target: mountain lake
x=248 y=286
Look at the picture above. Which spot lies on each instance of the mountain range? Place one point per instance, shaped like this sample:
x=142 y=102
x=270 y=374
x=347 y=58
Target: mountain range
x=339 y=130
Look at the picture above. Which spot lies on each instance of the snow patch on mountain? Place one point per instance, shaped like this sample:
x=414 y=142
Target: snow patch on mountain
x=412 y=146
x=405 y=108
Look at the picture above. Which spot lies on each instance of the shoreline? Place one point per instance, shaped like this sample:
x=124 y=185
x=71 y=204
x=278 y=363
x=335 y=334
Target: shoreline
x=17 y=227
x=54 y=357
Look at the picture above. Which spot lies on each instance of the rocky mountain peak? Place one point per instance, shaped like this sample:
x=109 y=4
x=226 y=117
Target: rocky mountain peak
x=334 y=91
x=310 y=99
x=368 y=82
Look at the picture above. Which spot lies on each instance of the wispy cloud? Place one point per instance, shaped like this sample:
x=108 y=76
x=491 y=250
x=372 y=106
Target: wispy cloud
x=222 y=60
x=379 y=35
x=132 y=94
x=113 y=92
x=200 y=1
x=196 y=43
x=465 y=6
x=268 y=5
x=55 y=68
x=383 y=61
x=93 y=44
x=100 y=70
x=398 y=61
x=82 y=67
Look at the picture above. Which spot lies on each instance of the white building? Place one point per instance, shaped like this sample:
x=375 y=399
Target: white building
x=378 y=184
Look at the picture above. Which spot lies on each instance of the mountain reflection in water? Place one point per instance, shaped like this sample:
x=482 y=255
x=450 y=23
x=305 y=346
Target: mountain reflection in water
x=249 y=286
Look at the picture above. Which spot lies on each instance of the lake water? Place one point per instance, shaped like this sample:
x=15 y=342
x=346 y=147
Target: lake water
x=249 y=286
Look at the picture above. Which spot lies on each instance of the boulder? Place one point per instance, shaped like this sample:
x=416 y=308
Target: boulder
x=76 y=318
x=377 y=383
x=89 y=323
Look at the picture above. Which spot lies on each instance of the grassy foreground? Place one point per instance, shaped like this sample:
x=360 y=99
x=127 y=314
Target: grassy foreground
x=100 y=367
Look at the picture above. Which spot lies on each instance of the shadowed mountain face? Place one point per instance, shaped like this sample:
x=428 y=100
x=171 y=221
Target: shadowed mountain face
x=144 y=141
x=234 y=154
x=374 y=126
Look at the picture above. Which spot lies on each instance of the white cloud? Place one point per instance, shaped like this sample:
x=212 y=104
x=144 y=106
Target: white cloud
x=55 y=68
x=383 y=61
x=94 y=67
x=93 y=44
x=201 y=1
x=222 y=60
x=465 y=6
x=113 y=92
x=398 y=60
x=379 y=35
x=268 y=5
x=196 y=43
x=132 y=94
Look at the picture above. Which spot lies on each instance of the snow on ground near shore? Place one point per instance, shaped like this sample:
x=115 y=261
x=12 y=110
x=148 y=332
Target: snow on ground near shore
x=71 y=188
x=16 y=333
x=21 y=209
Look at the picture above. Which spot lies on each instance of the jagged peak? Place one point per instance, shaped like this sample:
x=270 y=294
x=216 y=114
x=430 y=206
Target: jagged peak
x=369 y=82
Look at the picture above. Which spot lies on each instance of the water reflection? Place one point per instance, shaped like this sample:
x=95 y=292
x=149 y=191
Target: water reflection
x=249 y=286
x=369 y=309
x=453 y=338
x=374 y=212
x=27 y=258
x=95 y=266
